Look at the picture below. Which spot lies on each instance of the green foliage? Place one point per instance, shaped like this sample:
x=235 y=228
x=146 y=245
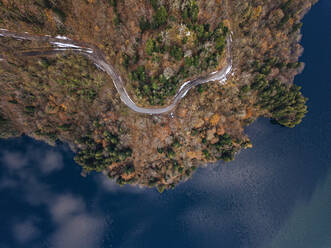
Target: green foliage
x=160 y=17
x=267 y=65
x=245 y=89
x=176 y=143
x=171 y=153
x=219 y=36
x=287 y=9
x=29 y=110
x=126 y=60
x=75 y=79
x=65 y=127
x=199 y=30
x=129 y=169
x=284 y=102
x=294 y=65
x=190 y=12
x=194 y=132
x=144 y=24
x=170 y=150
x=224 y=140
x=117 y=20
x=60 y=13
x=97 y=157
x=154 y=4
x=227 y=156
x=150 y=46
x=160 y=150
x=224 y=149
x=113 y=3
x=40 y=81
x=176 y=52
x=220 y=43
x=206 y=154
x=156 y=89
x=160 y=188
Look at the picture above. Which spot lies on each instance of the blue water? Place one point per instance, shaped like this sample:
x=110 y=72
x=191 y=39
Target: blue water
x=274 y=195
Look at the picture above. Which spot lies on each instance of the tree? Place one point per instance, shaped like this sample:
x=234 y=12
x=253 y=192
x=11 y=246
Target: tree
x=150 y=46
x=160 y=17
x=190 y=12
x=144 y=24
x=177 y=52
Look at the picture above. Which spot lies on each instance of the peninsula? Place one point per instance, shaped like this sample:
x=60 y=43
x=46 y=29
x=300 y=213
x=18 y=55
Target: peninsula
x=147 y=91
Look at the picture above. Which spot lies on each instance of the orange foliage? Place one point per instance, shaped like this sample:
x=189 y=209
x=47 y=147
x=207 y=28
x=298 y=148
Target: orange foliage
x=215 y=119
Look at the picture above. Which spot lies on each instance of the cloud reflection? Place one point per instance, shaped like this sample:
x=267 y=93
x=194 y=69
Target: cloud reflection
x=74 y=225
x=242 y=204
x=25 y=231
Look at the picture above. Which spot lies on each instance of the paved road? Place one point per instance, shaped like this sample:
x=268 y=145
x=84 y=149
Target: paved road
x=62 y=44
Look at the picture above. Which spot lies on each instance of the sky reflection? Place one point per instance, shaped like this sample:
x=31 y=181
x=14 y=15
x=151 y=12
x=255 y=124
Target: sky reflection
x=274 y=195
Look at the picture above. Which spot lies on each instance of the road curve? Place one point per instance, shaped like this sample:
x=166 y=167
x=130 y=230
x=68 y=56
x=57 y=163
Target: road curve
x=62 y=44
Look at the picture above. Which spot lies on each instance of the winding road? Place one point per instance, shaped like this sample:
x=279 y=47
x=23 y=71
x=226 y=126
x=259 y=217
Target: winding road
x=62 y=44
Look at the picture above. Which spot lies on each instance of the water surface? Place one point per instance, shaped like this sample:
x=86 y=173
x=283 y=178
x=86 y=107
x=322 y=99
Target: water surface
x=274 y=195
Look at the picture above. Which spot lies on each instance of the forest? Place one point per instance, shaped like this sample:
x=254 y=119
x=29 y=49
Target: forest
x=154 y=46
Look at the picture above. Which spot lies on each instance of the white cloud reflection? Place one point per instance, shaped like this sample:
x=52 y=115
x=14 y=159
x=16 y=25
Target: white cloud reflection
x=47 y=162
x=14 y=160
x=81 y=231
x=242 y=201
x=25 y=231
x=66 y=206
x=74 y=225
x=52 y=161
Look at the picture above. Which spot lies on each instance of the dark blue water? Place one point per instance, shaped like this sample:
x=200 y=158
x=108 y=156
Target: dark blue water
x=274 y=195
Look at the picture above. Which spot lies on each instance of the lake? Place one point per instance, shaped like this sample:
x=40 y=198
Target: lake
x=276 y=194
